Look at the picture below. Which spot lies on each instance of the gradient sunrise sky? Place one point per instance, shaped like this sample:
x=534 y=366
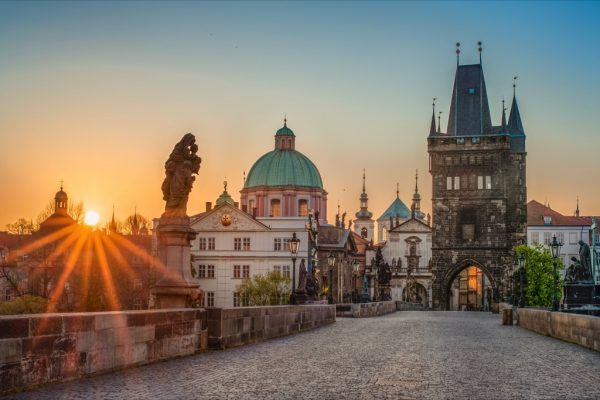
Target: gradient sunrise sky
x=97 y=94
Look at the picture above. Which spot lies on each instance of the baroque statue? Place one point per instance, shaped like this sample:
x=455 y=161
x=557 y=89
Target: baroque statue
x=182 y=164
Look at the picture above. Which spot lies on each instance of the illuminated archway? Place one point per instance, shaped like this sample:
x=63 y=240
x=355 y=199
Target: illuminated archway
x=470 y=290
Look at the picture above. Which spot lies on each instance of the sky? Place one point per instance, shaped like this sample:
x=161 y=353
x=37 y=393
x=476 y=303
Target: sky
x=97 y=94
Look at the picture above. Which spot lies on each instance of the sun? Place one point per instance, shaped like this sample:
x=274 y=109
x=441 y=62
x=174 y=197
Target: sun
x=91 y=218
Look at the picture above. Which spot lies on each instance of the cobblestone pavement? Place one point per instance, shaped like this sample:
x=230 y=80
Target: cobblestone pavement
x=405 y=355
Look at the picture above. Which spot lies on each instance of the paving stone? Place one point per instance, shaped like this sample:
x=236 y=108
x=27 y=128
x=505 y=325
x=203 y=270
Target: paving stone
x=405 y=355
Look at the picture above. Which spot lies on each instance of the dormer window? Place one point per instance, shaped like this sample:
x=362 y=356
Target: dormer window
x=547 y=220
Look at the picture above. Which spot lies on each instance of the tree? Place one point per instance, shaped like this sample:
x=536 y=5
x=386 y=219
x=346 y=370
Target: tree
x=135 y=224
x=21 y=227
x=271 y=288
x=539 y=278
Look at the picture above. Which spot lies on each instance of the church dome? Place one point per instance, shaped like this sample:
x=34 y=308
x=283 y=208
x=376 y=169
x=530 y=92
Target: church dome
x=284 y=166
x=61 y=196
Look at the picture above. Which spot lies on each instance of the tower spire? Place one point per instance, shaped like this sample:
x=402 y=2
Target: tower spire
x=439 y=129
x=398 y=189
x=515 y=126
x=416 y=181
x=457 y=53
x=480 y=50
x=416 y=203
x=364 y=191
x=364 y=212
x=432 y=129
x=577 y=209
x=503 y=116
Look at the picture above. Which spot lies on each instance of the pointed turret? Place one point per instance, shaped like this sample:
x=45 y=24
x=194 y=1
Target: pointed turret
x=515 y=126
x=577 y=209
x=112 y=226
x=364 y=212
x=503 y=117
x=416 y=204
x=432 y=128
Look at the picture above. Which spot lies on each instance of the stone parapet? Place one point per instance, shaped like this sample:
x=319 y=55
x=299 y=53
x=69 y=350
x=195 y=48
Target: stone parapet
x=40 y=348
x=580 y=329
x=232 y=327
x=365 y=310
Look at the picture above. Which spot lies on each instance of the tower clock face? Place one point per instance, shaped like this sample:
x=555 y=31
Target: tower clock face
x=226 y=219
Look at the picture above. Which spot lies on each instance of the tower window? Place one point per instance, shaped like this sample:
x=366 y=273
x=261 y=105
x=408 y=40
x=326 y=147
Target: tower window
x=456 y=182
x=275 y=208
x=471 y=90
x=449 y=183
x=364 y=233
x=302 y=208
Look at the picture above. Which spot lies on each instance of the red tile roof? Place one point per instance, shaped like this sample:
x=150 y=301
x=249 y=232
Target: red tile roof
x=536 y=212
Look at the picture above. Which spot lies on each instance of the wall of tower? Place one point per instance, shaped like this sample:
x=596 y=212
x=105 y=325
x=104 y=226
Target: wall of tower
x=478 y=206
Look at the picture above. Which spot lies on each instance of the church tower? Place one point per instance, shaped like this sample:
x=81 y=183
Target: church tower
x=364 y=225
x=478 y=196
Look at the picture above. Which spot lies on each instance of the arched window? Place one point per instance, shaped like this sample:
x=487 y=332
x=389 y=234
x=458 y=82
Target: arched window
x=303 y=208
x=275 y=208
x=384 y=234
x=364 y=232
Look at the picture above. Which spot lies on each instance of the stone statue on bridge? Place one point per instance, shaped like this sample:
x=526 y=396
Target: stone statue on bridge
x=182 y=164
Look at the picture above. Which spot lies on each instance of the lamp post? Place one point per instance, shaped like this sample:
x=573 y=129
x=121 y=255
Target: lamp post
x=521 y=273
x=331 y=263
x=293 y=245
x=355 y=268
x=555 y=249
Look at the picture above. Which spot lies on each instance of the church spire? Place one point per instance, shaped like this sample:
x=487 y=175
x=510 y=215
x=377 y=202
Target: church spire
x=577 y=209
x=416 y=204
x=439 y=129
x=112 y=226
x=515 y=126
x=432 y=129
x=364 y=212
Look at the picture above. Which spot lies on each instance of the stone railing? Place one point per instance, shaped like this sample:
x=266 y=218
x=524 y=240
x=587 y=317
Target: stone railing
x=231 y=327
x=364 y=310
x=406 y=306
x=41 y=348
x=581 y=329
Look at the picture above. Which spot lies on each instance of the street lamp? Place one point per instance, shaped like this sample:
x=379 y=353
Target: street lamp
x=521 y=273
x=331 y=263
x=555 y=249
x=293 y=245
x=356 y=268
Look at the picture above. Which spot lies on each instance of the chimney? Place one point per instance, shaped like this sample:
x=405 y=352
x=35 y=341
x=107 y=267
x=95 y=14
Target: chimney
x=236 y=204
x=245 y=208
x=208 y=206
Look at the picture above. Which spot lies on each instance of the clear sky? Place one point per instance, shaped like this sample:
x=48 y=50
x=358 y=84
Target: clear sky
x=97 y=93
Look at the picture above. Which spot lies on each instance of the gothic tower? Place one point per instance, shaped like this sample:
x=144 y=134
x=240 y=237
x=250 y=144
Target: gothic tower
x=364 y=225
x=478 y=196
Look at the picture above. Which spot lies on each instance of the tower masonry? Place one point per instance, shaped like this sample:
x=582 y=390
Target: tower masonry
x=479 y=194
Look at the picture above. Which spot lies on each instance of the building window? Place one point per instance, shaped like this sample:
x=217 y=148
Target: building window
x=237 y=271
x=480 y=182
x=210 y=271
x=246 y=244
x=251 y=207
x=285 y=271
x=449 y=183
x=384 y=233
x=488 y=182
x=137 y=284
x=137 y=304
x=201 y=271
x=572 y=238
x=560 y=236
x=535 y=237
x=547 y=238
x=456 y=182
x=277 y=244
x=468 y=220
x=245 y=271
x=236 y=299
x=202 y=243
x=211 y=243
x=303 y=208
x=275 y=208
x=237 y=244
x=210 y=299
x=277 y=268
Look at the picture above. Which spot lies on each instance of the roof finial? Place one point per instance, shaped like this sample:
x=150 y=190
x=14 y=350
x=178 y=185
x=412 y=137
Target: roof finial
x=61 y=184
x=364 y=190
x=225 y=185
x=439 y=129
x=577 y=209
x=480 y=49
x=398 y=189
x=244 y=177
x=417 y=181
x=503 y=115
x=432 y=127
x=457 y=53
x=285 y=121
x=515 y=86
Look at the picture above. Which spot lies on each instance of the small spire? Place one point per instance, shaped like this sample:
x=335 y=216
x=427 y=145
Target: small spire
x=515 y=86
x=480 y=49
x=439 y=129
x=515 y=126
x=285 y=121
x=244 y=177
x=432 y=128
x=364 y=190
x=457 y=53
x=398 y=189
x=503 y=115
x=417 y=181
x=61 y=184
x=577 y=209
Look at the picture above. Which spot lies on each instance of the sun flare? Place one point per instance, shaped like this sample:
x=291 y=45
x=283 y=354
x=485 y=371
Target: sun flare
x=91 y=218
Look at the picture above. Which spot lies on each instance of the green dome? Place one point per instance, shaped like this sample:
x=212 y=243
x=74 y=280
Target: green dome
x=285 y=131
x=284 y=167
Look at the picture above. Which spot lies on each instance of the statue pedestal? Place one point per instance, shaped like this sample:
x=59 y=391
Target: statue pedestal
x=581 y=293
x=176 y=287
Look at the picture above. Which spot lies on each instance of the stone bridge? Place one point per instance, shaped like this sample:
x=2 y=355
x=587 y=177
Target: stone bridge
x=405 y=355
